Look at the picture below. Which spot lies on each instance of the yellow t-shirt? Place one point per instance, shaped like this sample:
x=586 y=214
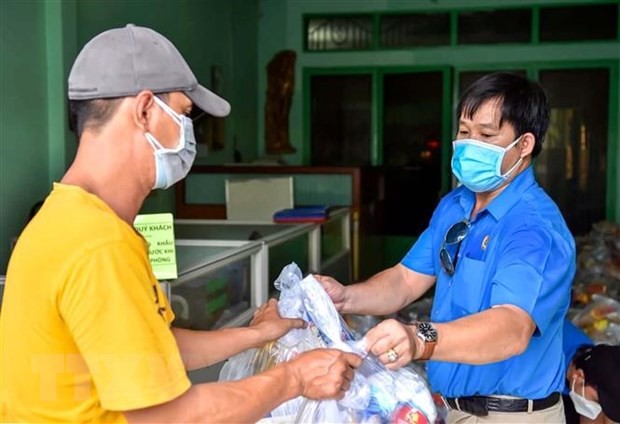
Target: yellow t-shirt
x=84 y=327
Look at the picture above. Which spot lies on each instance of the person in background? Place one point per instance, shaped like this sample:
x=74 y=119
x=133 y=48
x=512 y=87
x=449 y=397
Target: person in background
x=574 y=340
x=502 y=261
x=592 y=391
x=85 y=329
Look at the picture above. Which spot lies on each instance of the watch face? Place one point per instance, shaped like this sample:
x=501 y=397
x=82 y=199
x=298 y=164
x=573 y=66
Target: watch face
x=427 y=331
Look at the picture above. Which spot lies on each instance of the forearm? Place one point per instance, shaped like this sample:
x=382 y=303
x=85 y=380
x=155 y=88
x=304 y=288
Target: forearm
x=489 y=336
x=386 y=292
x=226 y=402
x=203 y=348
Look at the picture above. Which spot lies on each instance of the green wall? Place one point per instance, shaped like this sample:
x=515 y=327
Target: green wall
x=39 y=40
x=23 y=116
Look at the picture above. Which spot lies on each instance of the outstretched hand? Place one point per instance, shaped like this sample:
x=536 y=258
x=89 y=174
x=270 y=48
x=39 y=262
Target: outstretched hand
x=334 y=290
x=324 y=373
x=393 y=342
x=270 y=325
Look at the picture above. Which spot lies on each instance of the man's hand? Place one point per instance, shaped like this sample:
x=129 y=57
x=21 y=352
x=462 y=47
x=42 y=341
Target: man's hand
x=270 y=325
x=324 y=373
x=335 y=290
x=394 y=343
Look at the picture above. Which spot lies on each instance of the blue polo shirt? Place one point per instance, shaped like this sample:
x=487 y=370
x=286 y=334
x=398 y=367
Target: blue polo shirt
x=573 y=338
x=518 y=251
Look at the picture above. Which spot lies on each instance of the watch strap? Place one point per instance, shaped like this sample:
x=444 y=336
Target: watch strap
x=429 y=345
x=429 y=348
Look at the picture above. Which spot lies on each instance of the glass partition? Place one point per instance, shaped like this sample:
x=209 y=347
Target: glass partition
x=212 y=299
x=285 y=243
x=218 y=284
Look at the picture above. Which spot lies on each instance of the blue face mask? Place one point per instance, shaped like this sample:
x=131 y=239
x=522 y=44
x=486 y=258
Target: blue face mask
x=172 y=165
x=478 y=165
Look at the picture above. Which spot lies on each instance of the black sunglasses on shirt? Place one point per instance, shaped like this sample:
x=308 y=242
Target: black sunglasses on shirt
x=455 y=235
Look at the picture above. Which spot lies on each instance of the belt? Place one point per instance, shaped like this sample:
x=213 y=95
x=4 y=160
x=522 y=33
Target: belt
x=482 y=405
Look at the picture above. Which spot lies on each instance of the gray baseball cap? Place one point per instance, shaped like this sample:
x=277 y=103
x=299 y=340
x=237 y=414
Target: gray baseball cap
x=124 y=61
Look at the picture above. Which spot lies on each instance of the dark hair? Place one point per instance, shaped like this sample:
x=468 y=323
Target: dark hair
x=95 y=113
x=91 y=114
x=580 y=354
x=523 y=103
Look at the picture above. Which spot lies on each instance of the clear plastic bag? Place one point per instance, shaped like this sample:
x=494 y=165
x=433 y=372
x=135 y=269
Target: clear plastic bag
x=377 y=395
x=600 y=319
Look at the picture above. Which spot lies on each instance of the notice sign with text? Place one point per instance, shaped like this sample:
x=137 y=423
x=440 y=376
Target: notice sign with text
x=158 y=230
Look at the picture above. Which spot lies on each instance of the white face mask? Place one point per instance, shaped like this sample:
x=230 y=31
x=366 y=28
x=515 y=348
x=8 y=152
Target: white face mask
x=172 y=165
x=587 y=408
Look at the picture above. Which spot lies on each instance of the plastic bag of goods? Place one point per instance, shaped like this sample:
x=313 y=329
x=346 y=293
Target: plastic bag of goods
x=377 y=395
x=600 y=319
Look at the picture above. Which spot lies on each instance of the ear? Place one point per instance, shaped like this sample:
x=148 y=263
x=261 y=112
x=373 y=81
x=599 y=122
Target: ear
x=143 y=110
x=577 y=379
x=579 y=375
x=527 y=143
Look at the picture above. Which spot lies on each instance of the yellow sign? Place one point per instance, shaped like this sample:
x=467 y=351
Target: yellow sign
x=158 y=230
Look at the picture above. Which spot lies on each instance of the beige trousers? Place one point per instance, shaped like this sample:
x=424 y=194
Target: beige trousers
x=554 y=414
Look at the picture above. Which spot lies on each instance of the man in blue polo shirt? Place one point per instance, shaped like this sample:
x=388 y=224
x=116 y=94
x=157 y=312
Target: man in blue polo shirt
x=502 y=261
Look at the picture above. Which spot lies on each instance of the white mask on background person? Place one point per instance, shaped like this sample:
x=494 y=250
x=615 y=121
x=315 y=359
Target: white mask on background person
x=588 y=408
x=172 y=165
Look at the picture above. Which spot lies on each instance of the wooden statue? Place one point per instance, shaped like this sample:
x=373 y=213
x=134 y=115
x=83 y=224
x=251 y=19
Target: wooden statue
x=280 y=85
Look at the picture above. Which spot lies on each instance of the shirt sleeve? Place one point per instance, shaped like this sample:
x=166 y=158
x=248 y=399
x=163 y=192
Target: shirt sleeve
x=420 y=256
x=572 y=338
x=116 y=314
x=533 y=275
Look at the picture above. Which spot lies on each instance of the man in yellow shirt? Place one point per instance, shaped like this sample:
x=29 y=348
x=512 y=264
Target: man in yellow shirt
x=85 y=329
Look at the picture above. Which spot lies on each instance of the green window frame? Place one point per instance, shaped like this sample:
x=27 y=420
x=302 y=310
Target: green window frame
x=535 y=9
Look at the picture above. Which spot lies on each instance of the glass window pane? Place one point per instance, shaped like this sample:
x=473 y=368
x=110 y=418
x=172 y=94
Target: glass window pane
x=209 y=301
x=412 y=134
x=339 y=33
x=596 y=22
x=420 y=29
x=573 y=161
x=495 y=26
x=340 y=120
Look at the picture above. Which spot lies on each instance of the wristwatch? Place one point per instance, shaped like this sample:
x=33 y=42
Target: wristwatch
x=428 y=334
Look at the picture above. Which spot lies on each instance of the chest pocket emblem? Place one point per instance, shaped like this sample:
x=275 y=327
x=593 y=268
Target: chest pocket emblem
x=485 y=242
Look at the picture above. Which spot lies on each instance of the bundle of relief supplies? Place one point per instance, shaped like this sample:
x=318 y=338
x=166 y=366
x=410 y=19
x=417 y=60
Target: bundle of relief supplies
x=377 y=395
x=598 y=264
x=600 y=320
x=596 y=289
